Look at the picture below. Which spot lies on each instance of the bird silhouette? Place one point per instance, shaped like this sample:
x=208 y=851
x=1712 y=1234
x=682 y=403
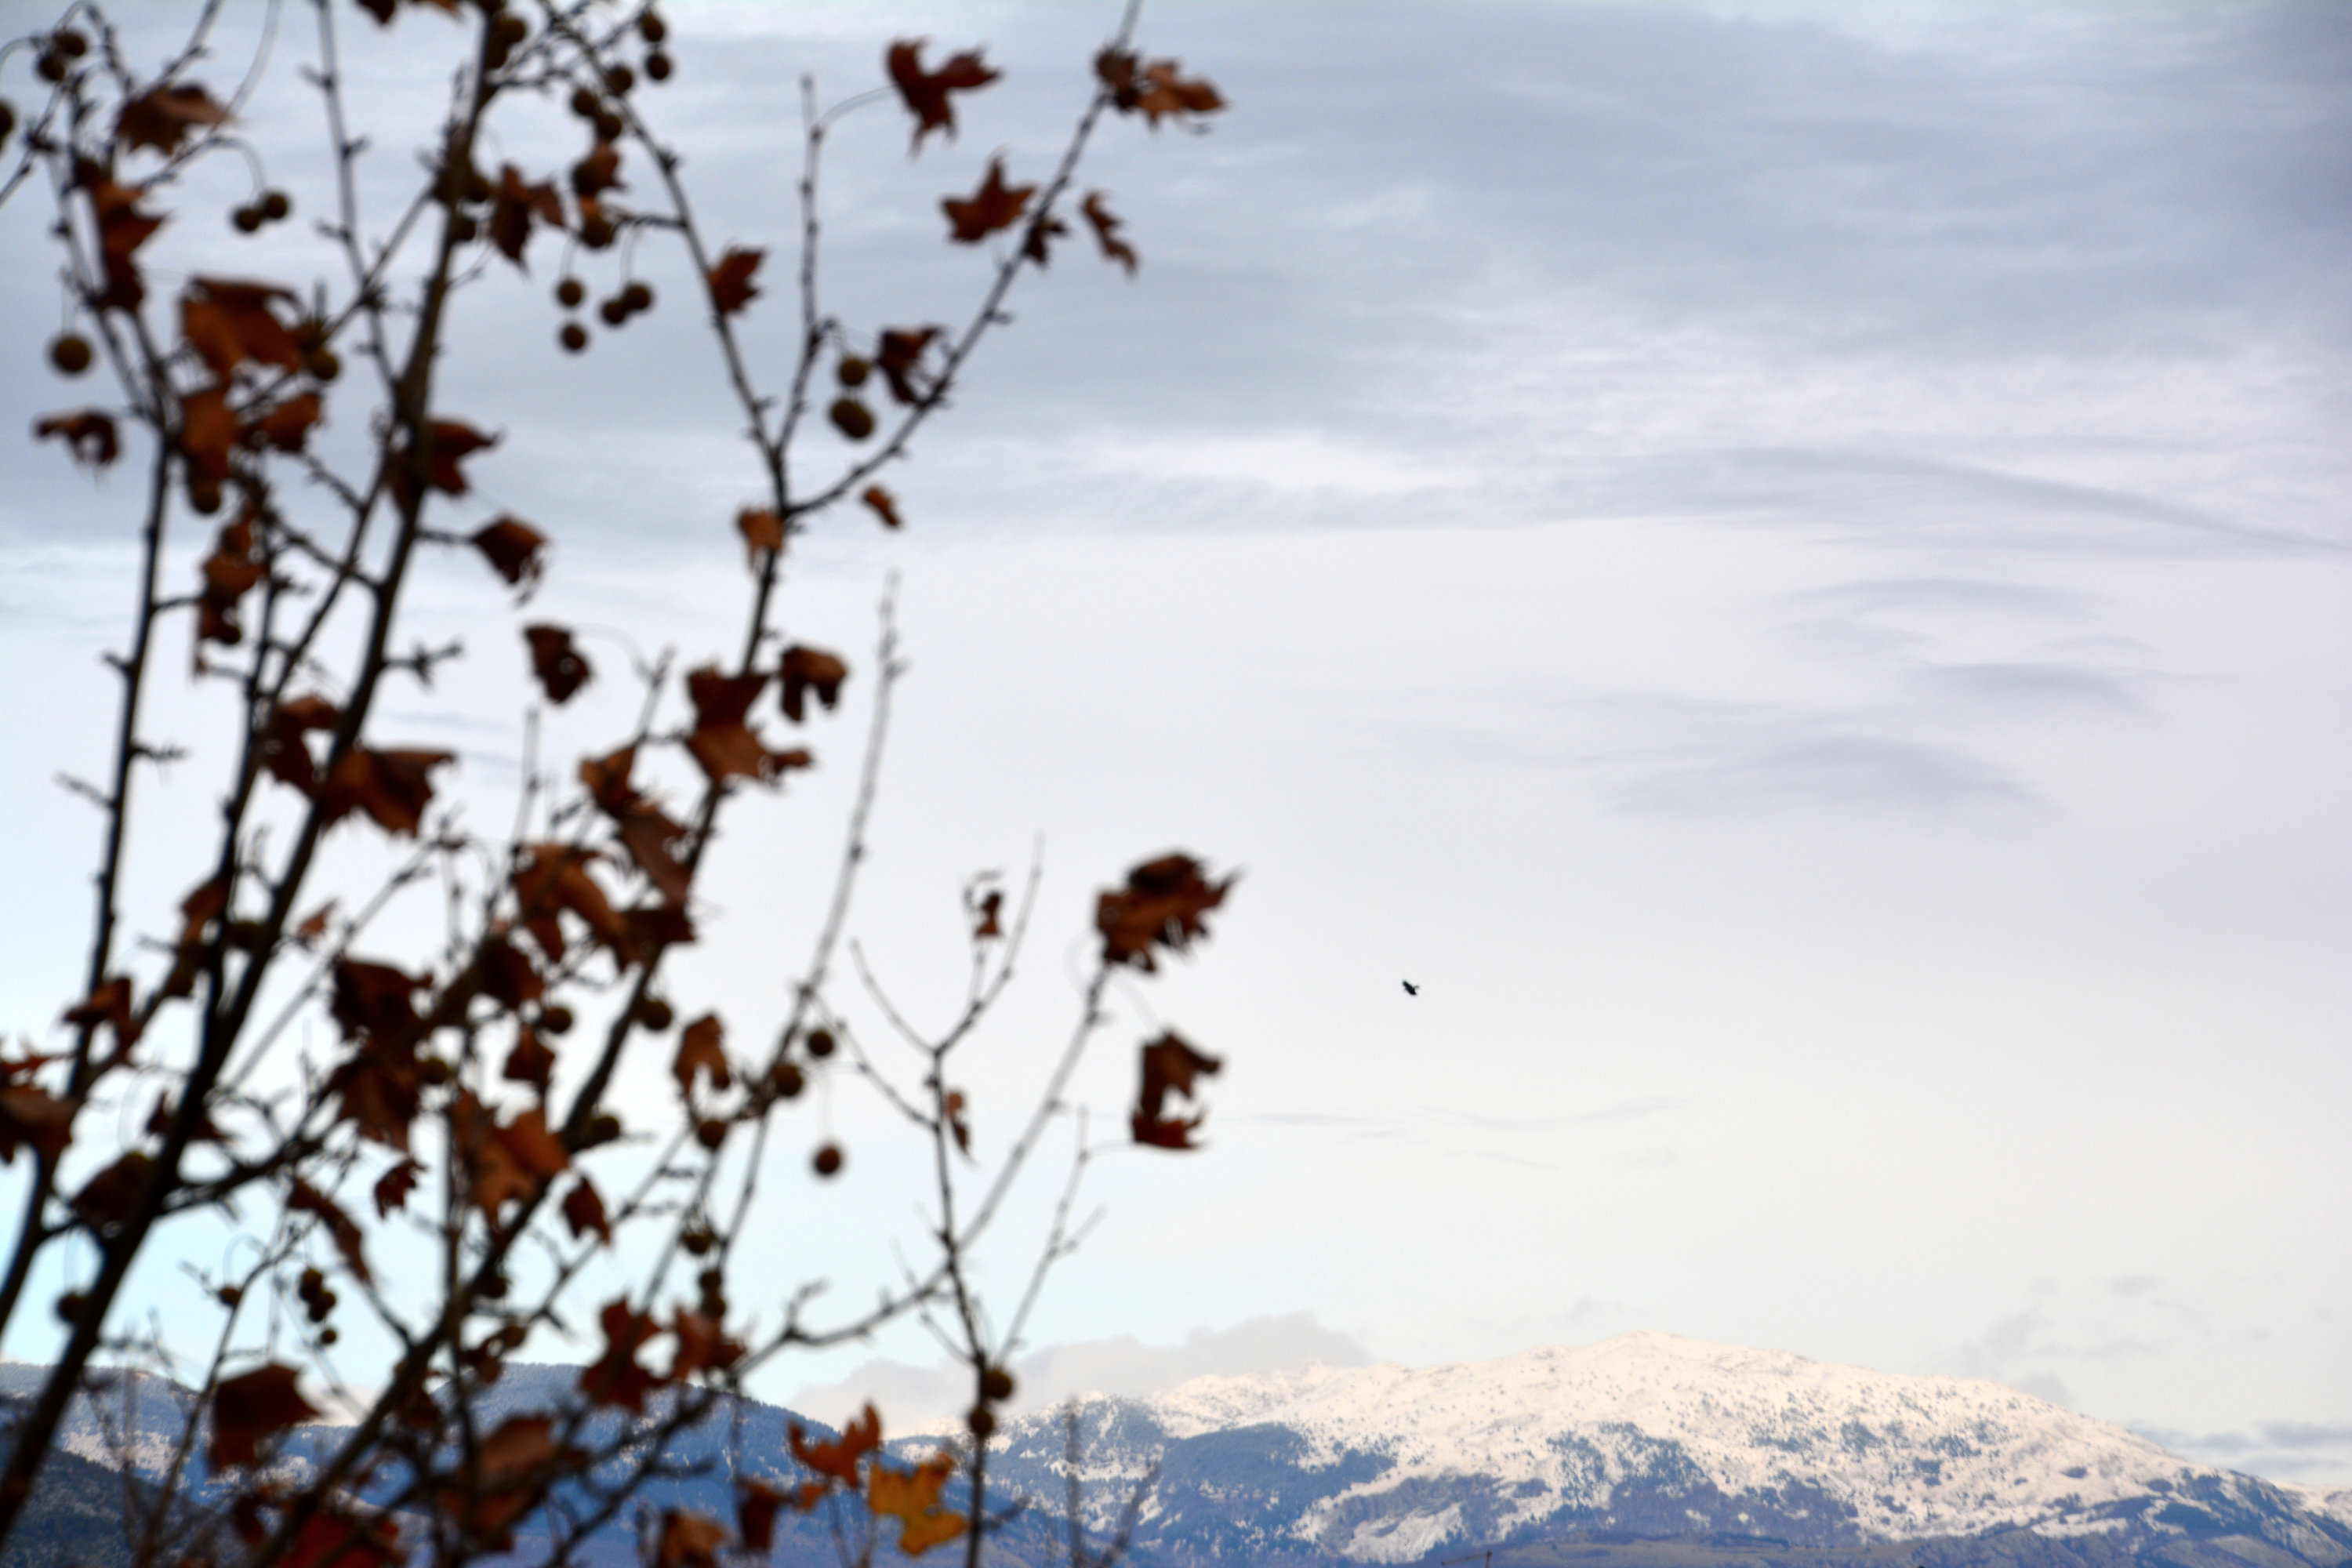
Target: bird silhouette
x=1410 y=988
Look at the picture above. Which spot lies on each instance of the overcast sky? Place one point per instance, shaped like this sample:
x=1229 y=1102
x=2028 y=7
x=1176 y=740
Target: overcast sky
x=1787 y=564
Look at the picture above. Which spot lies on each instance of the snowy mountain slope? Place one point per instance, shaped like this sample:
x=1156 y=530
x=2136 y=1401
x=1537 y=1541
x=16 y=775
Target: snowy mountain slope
x=1642 y=1449
x=1645 y=1433
x=134 y=1418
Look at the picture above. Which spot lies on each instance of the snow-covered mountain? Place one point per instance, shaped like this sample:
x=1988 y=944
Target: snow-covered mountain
x=1644 y=1435
x=130 y=1417
x=1645 y=1448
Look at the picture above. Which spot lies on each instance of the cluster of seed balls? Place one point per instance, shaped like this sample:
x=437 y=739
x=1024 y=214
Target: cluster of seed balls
x=318 y=1301
x=58 y=55
x=849 y=413
x=271 y=207
x=571 y=292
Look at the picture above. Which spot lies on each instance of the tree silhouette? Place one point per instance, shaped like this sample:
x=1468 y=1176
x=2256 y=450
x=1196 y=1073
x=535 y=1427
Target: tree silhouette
x=465 y=1113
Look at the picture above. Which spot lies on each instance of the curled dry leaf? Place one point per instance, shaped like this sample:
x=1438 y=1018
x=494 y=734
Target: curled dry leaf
x=912 y=1496
x=1106 y=225
x=122 y=229
x=31 y=1114
x=837 y=1461
x=925 y=93
x=110 y=1003
x=1162 y=906
x=553 y=878
x=1169 y=1066
x=701 y=1049
x=688 y=1541
x=513 y=205
x=284 y=426
x=231 y=324
x=107 y=1198
x=994 y=206
x=515 y=550
x=756 y=1503
x=379 y=1086
x=885 y=504
x=1155 y=90
x=583 y=1211
x=161 y=117
x=391 y=787
x=251 y=1408
x=763 y=530
x=721 y=740
x=732 y=288
x=302 y=1198
x=230 y=572
x=375 y=1001
x=900 y=358
x=285 y=752
x=806 y=669
x=529 y=1060
x=618 y=1378
x=560 y=667
x=702 y=1345
x=208 y=434
x=89 y=434
x=391 y=1189
x=506 y=1162
x=314 y=925
x=203 y=906
x=647 y=831
x=597 y=173
x=447 y=443
x=506 y=974
x=1042 y=231
x=647 y=929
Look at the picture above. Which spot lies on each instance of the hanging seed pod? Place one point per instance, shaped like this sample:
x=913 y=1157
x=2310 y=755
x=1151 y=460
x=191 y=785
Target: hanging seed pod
x=852 y=418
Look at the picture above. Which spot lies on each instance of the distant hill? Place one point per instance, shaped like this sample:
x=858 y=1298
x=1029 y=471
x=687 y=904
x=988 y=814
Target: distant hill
x=1644 y=1450
x=1647 y=1445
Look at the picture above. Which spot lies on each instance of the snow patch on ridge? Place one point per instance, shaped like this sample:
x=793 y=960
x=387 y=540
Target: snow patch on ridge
x=1906 y=1455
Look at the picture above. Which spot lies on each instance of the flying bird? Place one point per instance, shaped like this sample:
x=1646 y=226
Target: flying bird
x=1410 y=988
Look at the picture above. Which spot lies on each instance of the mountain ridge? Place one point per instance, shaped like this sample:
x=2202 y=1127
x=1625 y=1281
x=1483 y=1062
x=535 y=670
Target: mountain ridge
x=1656 y=1434
x=1644 y=1448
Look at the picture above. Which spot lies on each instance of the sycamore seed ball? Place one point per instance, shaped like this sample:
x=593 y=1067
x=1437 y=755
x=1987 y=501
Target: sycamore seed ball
x=852 y=418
